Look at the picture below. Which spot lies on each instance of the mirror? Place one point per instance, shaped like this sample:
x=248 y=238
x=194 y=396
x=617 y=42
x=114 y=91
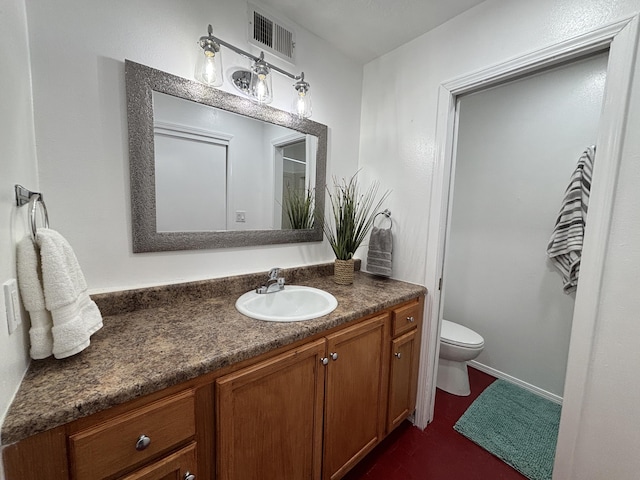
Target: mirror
x=210 y=169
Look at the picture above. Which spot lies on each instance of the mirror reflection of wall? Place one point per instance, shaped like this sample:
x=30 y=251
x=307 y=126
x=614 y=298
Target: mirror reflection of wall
x=216 y=170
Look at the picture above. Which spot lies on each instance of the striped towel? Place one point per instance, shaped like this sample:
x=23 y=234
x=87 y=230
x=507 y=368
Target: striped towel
x=380 y=249
x=565 y=246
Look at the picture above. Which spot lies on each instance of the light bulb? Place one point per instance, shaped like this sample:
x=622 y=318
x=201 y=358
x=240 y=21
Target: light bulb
x=209 y=69
x=260 y=88
x=209 y=63
x=301 y=106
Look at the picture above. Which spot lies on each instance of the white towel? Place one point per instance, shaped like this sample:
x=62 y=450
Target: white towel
x=565 y=246
x=30 y=281
x=75 y=317
x=379 y=259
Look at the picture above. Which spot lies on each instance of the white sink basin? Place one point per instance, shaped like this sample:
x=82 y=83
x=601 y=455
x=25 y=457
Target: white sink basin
x=293 y=304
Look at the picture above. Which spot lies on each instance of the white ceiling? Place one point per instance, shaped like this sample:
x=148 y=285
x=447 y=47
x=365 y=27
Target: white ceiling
x=366 y=29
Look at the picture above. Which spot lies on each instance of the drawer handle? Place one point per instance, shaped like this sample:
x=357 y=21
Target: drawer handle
x=189 y=476
x=324 y=361
x=398 y=355
x=410 y=319
x=143 y=442
x=334 y=356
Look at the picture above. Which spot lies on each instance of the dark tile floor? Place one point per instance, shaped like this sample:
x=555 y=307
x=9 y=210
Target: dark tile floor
x=439 y=452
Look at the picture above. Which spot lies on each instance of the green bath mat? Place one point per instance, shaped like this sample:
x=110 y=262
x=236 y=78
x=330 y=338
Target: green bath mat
x=516 y=426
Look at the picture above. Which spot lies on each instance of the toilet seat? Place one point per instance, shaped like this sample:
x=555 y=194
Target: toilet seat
x=459 y=335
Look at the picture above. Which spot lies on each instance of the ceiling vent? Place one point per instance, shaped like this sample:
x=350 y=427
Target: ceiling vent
x=271 y=34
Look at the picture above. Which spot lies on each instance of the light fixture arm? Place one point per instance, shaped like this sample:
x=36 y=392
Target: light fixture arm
x=239 y=51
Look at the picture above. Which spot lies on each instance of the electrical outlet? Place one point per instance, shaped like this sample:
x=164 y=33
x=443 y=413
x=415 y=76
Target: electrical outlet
x=12 y=305
x=241 y=216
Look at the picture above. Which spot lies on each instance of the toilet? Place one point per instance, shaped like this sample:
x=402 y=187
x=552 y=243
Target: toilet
x=458 y=345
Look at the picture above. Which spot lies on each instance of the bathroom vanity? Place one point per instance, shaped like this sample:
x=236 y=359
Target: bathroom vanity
x=179 y=385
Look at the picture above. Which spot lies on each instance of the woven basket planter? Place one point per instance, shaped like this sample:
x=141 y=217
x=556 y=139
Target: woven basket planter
x=343 y=271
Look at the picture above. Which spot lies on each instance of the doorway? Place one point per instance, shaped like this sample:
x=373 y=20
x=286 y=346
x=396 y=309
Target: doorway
x=516 y=146
x=620 y=39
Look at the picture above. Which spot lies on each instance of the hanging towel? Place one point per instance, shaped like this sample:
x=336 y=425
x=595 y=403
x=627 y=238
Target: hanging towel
x=74 y=316
x=380 y=250
x=30 y=281
x=565 y=246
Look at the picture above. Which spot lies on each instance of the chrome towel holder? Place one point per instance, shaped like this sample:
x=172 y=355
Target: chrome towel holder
x=25 y=196
x=387 y=214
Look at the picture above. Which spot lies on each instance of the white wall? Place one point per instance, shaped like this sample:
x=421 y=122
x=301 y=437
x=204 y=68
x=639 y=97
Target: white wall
x=400 y=92
x=17 y=165
x=397 y=145
x=81 y=125
x=517 y=147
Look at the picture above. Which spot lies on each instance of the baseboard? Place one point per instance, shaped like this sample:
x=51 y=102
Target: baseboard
x=527 y=386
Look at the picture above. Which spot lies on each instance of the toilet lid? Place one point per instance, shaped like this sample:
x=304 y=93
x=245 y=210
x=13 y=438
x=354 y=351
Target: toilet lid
x=457 y=334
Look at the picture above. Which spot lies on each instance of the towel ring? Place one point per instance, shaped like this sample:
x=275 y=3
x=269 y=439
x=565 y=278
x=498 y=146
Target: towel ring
x=24 y=196
x=33 y=204
x=387 y=214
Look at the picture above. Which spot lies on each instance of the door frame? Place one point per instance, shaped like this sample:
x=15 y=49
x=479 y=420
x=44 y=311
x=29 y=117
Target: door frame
x=277 y=160
x=620 y=39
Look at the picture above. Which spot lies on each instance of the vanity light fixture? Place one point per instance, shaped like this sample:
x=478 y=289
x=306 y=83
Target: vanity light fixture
x=260 y=86
x=209 y=64
x=209 y=72
x=302 y=99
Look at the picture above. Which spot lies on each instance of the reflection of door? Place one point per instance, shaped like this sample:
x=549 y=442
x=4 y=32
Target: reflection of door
x=293 y=173
x=294 y=167
x=191 y=181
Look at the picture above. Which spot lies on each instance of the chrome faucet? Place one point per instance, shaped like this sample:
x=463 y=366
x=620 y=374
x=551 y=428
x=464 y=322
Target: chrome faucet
x=274 y=283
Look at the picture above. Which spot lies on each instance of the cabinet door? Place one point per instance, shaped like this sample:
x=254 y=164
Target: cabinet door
x=402 y=381
x=176 y=466
x=355 y=398
x=269 y=418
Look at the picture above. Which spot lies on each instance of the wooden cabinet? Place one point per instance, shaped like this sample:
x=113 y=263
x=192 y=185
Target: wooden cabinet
x=309 y=411
x=354 y=400
x=133 y=439
x=270 y=415
x=269 y=418
x=404 y=362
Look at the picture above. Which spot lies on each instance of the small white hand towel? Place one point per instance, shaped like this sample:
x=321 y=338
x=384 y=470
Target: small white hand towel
x=32 y=294
x=75 y=316
x=54 y=291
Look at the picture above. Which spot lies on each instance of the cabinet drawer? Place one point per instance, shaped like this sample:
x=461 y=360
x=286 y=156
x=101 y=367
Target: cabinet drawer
x=406 y=318
x=110 y=447
x=178 y=465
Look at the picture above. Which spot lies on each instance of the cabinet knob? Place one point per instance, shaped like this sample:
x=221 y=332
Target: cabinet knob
x=189 y=476
x=143 y=442
x=324 y=360
x=334 y=356
x=397 y=355
x=410 y=319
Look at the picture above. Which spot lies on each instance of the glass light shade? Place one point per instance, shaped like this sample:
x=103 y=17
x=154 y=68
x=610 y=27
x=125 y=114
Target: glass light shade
x=301 y=106
x=209 y=68
x=260 y=87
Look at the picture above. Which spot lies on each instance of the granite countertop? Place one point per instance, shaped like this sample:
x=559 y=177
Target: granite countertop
x=155 y=338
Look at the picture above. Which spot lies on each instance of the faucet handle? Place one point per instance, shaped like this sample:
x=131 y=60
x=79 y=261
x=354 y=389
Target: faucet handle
x=274 y=273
